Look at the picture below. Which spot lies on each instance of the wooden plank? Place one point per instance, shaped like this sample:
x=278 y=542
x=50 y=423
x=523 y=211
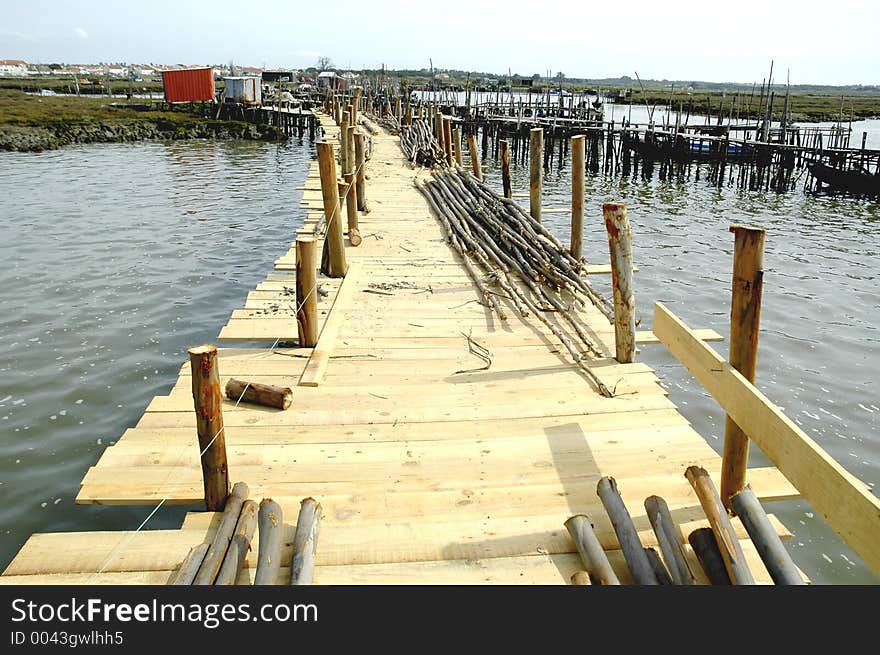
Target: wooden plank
x=846 y=503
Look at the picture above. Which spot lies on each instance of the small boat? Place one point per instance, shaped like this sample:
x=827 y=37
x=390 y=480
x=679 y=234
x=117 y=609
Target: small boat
x=850 y=181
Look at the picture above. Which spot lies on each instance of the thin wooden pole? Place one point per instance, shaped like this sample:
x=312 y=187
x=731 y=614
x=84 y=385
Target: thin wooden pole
x=620 y=246
x=208 y=400
x=536 y=156
x=475 y=157
x=627 y=537
x=768 y=544
x=186 y=573
x=343 y=143
x=349 y=191
x=592 y=554
x=578 y=174
x=361 y=173
x=745 y=320
x=334 y=264
x=504 y=148
x=350 y=151
x=306 y=292
x=669 y=540
x=271 y=530
x=728 y=543
x=447 y=139
x=305 y=543
x=220 y=543
x=239 y=545
x=706 y=549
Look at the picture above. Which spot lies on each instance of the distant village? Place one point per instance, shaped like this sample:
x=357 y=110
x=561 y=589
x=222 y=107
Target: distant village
x=150 y=72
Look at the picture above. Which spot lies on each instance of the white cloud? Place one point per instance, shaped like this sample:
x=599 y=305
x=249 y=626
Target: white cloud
x=81 y=33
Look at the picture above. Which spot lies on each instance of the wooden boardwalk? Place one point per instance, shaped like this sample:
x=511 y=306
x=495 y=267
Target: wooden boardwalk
x=429 y=470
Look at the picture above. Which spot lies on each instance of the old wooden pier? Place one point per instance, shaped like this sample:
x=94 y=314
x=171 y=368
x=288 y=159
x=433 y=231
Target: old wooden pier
x=431 y=441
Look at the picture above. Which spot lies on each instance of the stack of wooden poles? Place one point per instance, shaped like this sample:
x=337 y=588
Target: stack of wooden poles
x=220 y=561
x=717 y=548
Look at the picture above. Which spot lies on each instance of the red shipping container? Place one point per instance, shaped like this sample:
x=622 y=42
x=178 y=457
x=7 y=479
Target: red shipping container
x=188 y=85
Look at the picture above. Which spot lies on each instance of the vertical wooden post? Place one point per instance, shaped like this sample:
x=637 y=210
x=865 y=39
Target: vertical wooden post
x=745 y=319
x=578 y=172
x=447 y=139
x=343 y=143
x=354 y=106
x=333 y=263
x=306 y=291
x=360 y=160
x=620 y=246
x=456 y=142
x=475 y=157
x=354 y=234
x=438 y=127
x=536 y=154
x=208 y=400
x=350 y=150
x=505 y=167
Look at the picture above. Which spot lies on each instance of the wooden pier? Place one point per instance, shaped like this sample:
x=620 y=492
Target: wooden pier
x=430 y=466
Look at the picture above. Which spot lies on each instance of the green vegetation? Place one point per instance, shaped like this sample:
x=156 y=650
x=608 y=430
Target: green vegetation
x=35 y=123
x=87 y=86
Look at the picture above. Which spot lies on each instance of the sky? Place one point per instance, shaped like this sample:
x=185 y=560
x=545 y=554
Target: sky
x=818 y=42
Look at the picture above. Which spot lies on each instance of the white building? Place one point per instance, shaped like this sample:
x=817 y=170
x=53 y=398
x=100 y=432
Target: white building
x=13 y=68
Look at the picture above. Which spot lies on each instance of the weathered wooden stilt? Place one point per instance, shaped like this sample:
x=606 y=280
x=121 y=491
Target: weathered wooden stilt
x=361 y=172
x=592 y=554
x=351 y=212
x=475 y=157
x=306 y=292
x=504 y=155
x=728 y=543
x=660 y=571
x=768 y=544
x=208 y=401
x=186 y=573
x=334 y=264
x=578 y=173
x=620 y=245
x=456 y=144
x=745 y=319
x=632 y=548
x=536 y=154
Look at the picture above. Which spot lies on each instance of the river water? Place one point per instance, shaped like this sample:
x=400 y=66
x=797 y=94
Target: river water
x=116 y=258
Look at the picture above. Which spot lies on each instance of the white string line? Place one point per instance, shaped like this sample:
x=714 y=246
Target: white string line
x=127 y=542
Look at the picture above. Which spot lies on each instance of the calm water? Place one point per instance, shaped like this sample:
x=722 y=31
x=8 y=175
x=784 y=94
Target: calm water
x=116 y=258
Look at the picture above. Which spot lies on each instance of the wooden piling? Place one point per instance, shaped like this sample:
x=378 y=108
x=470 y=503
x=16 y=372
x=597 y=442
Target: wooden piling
x=627 y=537
x=705 y=547
x=306 y=292
x=456 y=144
x=208 y=400
x=578 y=174
x=239 y=545
x=725 y=537
x=504 y=155
x=447 y=140
x=350 y=151
x=669 y=540
x=351 y=212
x=361 y=171
x=768 y=544
x=343 y=143
x=620 y=246
x=475 y=157
x=536 y=144
x=592 y=554
x=257 y=393
x=745 y=319
x=333 y=263
x=187 y=570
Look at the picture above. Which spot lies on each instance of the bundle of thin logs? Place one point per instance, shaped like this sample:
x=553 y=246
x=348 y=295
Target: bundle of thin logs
x=220 y=561
x=531 y=267
x=716 y=548
x=420 y=146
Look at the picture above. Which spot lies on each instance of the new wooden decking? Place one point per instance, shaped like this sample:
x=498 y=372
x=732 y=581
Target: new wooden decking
x=429 y=469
